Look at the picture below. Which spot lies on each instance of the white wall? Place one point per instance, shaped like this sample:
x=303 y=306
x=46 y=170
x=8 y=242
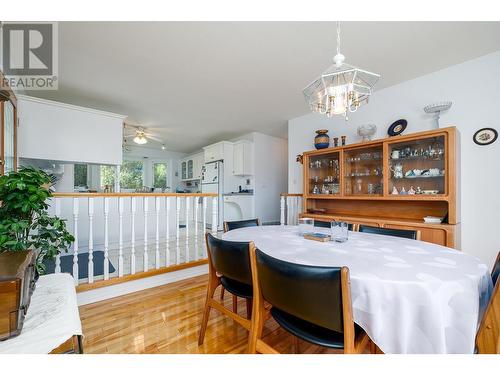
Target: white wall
x=270 y=174
x=61 y=132
x=473 y=87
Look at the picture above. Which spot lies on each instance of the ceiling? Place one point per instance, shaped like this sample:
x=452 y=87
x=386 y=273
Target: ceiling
x=200 y=82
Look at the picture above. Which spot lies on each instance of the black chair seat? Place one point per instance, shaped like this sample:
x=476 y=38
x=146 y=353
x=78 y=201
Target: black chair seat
x=403 y=233
x=237 y=288
x=328 y=224
x=311 y=332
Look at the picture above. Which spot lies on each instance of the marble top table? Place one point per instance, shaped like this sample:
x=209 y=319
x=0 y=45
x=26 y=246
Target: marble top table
x=409 y=296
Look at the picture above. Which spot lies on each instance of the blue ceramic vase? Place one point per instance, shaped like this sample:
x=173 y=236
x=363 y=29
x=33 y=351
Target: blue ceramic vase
x=322 y=140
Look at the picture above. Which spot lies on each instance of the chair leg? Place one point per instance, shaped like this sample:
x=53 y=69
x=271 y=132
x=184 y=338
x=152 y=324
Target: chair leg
x=296 y=348
x=249 y=308
x=235 y=304
x=255 y=330
x=212 y=285
x=222 y=290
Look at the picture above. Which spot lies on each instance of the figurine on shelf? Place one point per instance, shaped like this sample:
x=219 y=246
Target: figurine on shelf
x=403 y=191
x=394 y=191
x=411 y=191
x=336 y=142
x=343 y=140
x=419 y=190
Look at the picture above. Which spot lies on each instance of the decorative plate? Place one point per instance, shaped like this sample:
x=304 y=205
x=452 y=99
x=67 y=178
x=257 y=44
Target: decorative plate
x=485 y=136
x=397 y=127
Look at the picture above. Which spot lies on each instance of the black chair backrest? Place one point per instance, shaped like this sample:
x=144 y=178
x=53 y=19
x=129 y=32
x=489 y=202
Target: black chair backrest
x=230 y=225
x=411 y=234
x=311 y=293
x=328 y=224
x=230 y=259
x=495 y=272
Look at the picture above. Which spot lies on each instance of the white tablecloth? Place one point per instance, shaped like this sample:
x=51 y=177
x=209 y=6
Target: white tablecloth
x=409 y=296
x=52 y=317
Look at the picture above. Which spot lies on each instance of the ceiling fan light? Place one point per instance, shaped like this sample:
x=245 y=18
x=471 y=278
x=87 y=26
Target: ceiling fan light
x=140 y=139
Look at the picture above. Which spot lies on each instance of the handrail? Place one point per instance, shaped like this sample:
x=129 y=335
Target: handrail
x=93 y=195
x=291 y=195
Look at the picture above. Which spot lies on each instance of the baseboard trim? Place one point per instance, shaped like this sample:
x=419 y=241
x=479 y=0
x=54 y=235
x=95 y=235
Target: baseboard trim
x=106 y=292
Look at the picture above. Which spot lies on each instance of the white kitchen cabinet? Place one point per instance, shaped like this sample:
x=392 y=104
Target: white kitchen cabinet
x=191 y=167
x=217 y=151
x=243 y=158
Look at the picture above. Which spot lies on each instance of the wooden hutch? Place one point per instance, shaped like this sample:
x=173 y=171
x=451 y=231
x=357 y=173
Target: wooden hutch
x=357 y=183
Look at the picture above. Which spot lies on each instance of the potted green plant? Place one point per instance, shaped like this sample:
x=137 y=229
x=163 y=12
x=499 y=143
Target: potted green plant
x=24 y=220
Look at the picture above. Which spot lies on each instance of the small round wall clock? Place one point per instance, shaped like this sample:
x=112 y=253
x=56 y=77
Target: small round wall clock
x=485 y=136
x=397 y=127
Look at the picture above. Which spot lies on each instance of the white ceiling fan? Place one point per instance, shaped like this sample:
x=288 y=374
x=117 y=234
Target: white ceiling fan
x=141 y=135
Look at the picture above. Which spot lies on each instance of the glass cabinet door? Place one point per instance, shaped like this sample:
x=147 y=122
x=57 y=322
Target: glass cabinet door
x=183 y=170
x=417 y=167
x=8 y=137
x=363 y=173
x=324 y=175
x=190 y=169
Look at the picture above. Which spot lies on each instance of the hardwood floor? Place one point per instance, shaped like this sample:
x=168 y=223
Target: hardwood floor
x=166 y=319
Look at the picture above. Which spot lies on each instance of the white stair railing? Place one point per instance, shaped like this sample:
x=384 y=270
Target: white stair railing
x=108 y=233
x=290 y=208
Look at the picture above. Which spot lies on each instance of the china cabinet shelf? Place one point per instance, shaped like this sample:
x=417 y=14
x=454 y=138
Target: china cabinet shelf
x=366 y=174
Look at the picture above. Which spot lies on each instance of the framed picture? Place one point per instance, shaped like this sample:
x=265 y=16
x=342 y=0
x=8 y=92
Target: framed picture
x=485 y=136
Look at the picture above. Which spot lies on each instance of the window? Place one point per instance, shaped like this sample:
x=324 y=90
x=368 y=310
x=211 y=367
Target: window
x=108 y=175
x=160 y=175
x=131 y=174
x=80 y=175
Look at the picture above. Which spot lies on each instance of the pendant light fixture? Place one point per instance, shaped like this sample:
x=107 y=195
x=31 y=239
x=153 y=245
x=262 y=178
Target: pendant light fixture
x=340 y=89
x=140 y=138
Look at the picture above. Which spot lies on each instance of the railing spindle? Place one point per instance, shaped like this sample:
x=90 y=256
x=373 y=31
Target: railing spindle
x=177 y=219
x=75 y=244
x=91 y=240
x=282 y=210
x=204 y=203
x=167 y=250
x=145 y=256
x=157 y=248
x=132 y=239
x=186 y=257
x=120 y=237
x=195 y=200
x=106 y=238
x=58 y=214
x=215 y=222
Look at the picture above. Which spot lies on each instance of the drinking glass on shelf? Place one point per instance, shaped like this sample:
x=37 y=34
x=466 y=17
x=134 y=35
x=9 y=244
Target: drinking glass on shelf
x=339 y=231
x=306 y=225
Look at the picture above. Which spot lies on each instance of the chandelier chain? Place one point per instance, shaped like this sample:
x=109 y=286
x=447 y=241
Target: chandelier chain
x=338 y=37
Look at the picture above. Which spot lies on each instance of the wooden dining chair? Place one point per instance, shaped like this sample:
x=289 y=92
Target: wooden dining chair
x=310 y=302
x=229 y=266
x=328 y=224
x=403 y=233
x=231 y=225
x=488 y=334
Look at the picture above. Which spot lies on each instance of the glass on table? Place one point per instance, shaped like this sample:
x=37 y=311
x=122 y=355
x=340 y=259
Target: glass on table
x=339 y=231
x=306 y=225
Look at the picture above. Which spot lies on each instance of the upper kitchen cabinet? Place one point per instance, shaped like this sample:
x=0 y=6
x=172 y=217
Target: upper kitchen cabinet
x=243 y=158
x=218 y=151
x=191 y=167
x=8 y=120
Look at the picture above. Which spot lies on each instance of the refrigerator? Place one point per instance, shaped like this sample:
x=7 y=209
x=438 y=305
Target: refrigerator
x=212 y=181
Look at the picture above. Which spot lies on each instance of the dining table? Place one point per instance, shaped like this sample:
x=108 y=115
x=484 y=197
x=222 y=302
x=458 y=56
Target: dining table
x=409 y=296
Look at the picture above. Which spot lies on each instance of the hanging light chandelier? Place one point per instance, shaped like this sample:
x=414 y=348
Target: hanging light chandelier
x=340 y=89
